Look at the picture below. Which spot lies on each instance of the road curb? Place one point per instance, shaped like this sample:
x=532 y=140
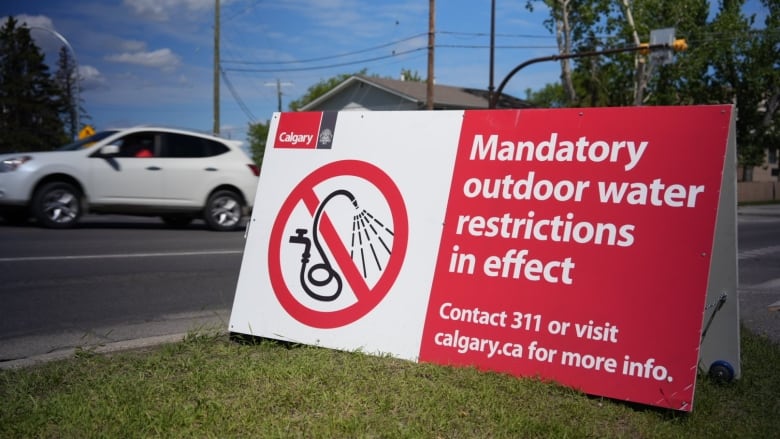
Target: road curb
x=119 y=346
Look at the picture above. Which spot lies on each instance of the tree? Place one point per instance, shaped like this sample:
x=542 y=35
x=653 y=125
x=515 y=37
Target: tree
x=72 y=112
x=258 y=135
x=550 y=96
x=411 y=76
x=736 y=76
x=729 y=61
x=571 y=21
x=767 y=62
x=681 y=82
x=29 y=98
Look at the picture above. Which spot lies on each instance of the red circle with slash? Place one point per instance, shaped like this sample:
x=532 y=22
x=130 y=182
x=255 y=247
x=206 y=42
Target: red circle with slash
x=367 y=298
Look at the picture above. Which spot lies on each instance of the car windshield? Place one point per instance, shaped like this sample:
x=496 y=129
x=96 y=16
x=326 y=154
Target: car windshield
x=87 y=141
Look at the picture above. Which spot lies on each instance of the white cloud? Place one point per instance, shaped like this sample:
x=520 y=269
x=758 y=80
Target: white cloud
x=133 y=46
x=35 y=21
x=90 y=78
x=162 y=10
x=162 y=59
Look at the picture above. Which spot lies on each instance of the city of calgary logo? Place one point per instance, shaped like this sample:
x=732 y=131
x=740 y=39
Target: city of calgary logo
x=337 y=244
x=306 y=130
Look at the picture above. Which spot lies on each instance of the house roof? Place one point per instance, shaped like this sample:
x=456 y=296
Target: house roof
x=444 y=96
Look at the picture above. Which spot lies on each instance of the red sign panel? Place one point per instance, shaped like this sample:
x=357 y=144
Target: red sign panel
x=576 y=247
x=298 y=130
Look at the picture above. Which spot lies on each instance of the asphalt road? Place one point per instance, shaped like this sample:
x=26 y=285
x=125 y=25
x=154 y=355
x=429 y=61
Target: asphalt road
x=759 y=268
x=112 y=280
x=122 y=282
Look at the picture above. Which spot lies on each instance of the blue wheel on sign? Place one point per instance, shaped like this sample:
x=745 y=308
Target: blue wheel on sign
x=721 y=371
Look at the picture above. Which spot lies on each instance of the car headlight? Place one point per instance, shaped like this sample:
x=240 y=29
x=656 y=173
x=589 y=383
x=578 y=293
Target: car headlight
x=12 y=163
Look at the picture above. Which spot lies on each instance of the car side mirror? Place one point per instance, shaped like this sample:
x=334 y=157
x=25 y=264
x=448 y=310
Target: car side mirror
x=109 y=150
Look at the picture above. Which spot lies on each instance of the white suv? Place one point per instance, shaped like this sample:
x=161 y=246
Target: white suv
x=175 y=174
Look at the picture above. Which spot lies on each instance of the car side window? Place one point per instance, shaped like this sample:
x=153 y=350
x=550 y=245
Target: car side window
x=136 y=145
x=214 y=148
x=184 y=146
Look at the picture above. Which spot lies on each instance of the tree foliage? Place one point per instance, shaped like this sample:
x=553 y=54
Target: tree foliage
x=412 y=76
x=257 y=134
x=30 y=100
x=765 y=58
x=550 y=96
x=572 y=22
x=66 y=77
x=731 y=59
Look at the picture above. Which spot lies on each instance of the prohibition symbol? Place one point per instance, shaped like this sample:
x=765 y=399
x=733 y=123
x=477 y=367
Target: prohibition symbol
x=327 y=274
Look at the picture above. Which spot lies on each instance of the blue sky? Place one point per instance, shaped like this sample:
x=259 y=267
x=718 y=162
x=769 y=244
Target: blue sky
x=151 y=61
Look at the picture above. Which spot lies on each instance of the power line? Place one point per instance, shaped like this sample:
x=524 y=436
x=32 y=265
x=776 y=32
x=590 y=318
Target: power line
x=480 y=46
x=482 y=34
x=381 y=46
x=346 y=54
x=238 y=99
x=323 y=58
x=243 y=11
x=323 y=67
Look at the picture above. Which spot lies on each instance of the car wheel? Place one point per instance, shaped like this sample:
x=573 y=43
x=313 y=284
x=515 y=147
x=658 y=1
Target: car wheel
x=177 y=220
x=57 y=205
x=224 y=211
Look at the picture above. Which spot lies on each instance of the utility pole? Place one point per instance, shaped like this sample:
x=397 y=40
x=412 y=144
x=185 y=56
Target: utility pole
x=491 y=88
x=215 y=129
x=431 y=29
x=279 y=85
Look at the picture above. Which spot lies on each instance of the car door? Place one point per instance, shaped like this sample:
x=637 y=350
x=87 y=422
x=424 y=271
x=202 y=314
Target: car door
x=131 y=176
x=190 y=170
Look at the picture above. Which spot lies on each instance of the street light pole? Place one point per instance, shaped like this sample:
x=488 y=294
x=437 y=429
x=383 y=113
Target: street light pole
x=75 y=62
x=676 y=45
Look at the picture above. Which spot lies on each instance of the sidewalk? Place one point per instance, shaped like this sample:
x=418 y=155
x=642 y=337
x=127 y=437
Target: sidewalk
x=762 y=315
x=30 y=350
x=759 y=209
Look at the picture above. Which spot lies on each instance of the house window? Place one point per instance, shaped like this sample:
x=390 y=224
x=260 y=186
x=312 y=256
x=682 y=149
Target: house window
x=772 y=158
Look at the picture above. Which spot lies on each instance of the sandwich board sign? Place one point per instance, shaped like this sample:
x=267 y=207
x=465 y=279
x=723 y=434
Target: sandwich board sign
x=594 y=247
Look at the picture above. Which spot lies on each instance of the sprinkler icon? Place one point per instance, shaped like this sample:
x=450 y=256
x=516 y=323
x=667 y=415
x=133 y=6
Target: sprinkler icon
x=371 y=241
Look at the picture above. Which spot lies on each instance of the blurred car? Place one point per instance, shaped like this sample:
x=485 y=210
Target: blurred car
x=151 y=171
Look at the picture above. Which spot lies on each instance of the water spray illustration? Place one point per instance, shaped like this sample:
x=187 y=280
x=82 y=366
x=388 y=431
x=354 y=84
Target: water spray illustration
x=371 y=240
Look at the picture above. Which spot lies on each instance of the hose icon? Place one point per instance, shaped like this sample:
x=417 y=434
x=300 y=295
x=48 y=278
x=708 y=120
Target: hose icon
x=322 y=274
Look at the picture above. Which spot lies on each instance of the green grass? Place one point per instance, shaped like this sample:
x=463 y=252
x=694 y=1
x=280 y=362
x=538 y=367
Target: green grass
x=209 y=386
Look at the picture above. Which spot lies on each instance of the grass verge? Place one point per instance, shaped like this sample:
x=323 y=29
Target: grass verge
x=209 y=386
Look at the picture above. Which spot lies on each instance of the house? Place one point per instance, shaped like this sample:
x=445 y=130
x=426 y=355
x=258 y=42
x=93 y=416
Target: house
x=767 y=171
x=760 y=183
x=360 y=92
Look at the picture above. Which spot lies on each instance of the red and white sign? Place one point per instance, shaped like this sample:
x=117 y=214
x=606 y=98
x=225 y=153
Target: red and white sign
x=327 y=268
x=298 y=130
x=573 y=245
